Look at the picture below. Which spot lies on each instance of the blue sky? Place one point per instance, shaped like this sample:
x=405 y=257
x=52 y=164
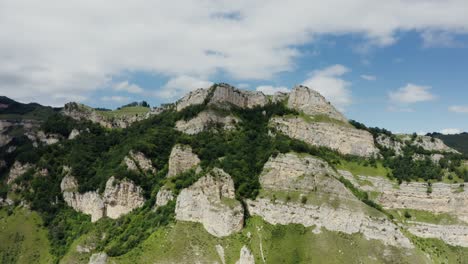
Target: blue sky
x=402 y=65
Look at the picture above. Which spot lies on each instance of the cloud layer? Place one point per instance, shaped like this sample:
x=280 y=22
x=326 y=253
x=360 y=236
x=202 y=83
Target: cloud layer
x=55 y=50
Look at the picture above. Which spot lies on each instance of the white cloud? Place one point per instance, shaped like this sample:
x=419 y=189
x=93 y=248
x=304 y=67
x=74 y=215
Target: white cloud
x=115 y=98
x=270 y=90
x=368 y=77
x=329 y=83
x=412 y=93
x=177 y=87
x=62 y=47
x=127 y=87
x=459 y=109
x=439 y=39
x=450 y=131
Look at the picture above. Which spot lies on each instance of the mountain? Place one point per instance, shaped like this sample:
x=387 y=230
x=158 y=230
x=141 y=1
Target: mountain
x=225 y=175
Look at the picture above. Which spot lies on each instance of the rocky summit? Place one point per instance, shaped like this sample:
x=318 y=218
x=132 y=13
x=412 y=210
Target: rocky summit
x=228 y=176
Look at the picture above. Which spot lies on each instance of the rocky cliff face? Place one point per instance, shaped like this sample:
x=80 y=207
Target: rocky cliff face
x=196 y=97
x=181 y=160
x=206 y=120
x=429 y=143
x=312 y=103
x=17 y=170
x=137 y=160
x=163 y=197
x=344 y=139
x=223 y=95
x=119 y=198
x=211 y=201
x=81 y=112
x=444 y=198
x=328 y=205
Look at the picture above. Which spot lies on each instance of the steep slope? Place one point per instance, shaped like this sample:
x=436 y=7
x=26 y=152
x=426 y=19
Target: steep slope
x=232 y=176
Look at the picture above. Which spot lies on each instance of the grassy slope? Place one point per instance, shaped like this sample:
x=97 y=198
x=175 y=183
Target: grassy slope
x=458 y=142
x=187 y=242
x=22 y=239
x=126 y=111
x=359 y=169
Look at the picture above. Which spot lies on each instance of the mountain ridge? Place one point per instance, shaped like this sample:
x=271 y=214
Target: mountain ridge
x=225 y=174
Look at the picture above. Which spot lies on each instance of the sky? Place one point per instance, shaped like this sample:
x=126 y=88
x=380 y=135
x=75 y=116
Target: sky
x=397 y=64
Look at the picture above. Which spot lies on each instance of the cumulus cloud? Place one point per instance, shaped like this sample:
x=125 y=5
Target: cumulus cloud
x=368 y=77
x=270 y=90
x=459 y=109
x=330 y=84
x=412 y=93
x=450 y=131
x=75 y=47
x=177 y=87
x=127 y=87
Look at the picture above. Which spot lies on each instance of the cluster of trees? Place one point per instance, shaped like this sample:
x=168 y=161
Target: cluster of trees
x=133 y=104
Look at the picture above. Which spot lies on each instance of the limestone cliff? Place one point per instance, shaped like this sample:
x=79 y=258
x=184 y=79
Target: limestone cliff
x=344 y=139
x=312 y=103
x=163 y=197
x=196 y=97
x=206 y=120
x=326 y=203
x=136 y=160
x=223 y=95
x=211 y=201
x=119 y=198
x=82 y=112
x=181 y=160
x=17 y=170
x=451 y=199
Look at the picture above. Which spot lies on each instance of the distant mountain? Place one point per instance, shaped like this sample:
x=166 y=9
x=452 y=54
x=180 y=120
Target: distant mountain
x=11 y=109
x=458 y=141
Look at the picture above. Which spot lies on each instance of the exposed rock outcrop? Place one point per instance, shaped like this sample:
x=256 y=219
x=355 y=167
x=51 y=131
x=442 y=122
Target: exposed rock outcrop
x=291 y=172
x=224 y=93
x=90 y=203
x=82 y=112
x=163 y=197
x=330 y=205
x=344 y=139
x=388 y=142
x=119 y=198
x=181 y=160
x=443 y=197
x=455 y=235
x=73 y=134
x=137 y=160
x=429 y=143
x=206 y=120
x=98 y=258
x=17 y=170
x=211 y=201
x=196 y=97
x=311 y=102
x=246 y=256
